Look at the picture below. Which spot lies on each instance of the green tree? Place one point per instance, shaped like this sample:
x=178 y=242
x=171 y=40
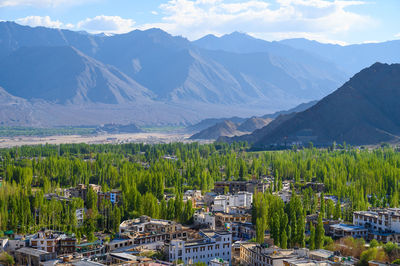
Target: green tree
x=338 y=211
x=312 y=237
x=319 y=233
x=260 y=231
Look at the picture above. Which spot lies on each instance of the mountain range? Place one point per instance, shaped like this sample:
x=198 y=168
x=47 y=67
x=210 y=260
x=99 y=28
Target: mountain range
x=62 y=77
x=365 y=110
x=228 y=128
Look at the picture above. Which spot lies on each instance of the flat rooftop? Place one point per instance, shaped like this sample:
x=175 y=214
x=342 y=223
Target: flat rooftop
x=348 y=227
x=32 y=251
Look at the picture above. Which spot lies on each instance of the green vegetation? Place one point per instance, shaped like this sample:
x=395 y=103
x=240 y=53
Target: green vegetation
x=162 y=129
x=41 y=132
x=144 y=174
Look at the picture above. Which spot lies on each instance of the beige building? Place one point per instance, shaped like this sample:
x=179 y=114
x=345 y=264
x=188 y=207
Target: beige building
x=257 y=255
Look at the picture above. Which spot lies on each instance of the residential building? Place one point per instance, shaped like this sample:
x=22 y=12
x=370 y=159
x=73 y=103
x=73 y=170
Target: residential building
x=146 y=230
x=204 y=219
x=80 y=216
x=91 y=249
x=32 y=257
x=222 y=218
x=223 y=203
x=305 y=262
x=242 y=231
x=255 y=254
x=343 y=230
x=211 y=245
x=382 y=224
x=114 y=196
x=45 y=240
x=66 y=245
x=233 y=187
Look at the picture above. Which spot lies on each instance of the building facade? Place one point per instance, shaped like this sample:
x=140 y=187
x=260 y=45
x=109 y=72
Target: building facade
x=223 y=203
x=213 y=244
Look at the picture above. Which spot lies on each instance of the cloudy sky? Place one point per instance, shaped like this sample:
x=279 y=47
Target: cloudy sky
x=335 y=21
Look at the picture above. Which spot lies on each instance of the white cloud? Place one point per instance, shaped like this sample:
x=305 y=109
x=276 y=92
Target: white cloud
x=46 y=21
x=42 y=3
x=397 y=35
x=106 y=24
x=323 y=19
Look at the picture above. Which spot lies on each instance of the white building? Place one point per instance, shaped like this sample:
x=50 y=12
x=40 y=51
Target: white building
x=383 y=220
x=46 y=241
x=204 y=219
x=213 y=244
x=223 y=203
x=80 y=215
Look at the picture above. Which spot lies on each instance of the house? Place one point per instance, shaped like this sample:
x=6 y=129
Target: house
x=223 y=203
x=344 y=230
x=204 y=219
x=145 y=230
x=220 y=187
x=382 y=224
x=31 y=256
x=222 y=218
x=255 y=254
x=211 y=245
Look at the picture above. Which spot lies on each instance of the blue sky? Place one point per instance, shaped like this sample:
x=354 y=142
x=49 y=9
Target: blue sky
x=335 y=21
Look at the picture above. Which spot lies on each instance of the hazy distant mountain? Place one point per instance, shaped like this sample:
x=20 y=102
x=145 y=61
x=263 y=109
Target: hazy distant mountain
x=65 y=75
x=365 y=110
x=299 y=108
x=350 y=58
x=178 y=72
x=151 y=77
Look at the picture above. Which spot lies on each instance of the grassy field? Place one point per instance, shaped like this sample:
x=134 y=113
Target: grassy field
x=166 y=129
x=40 y=132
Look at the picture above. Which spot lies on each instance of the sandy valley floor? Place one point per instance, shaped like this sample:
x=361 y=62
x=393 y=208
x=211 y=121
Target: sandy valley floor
x=149 y=138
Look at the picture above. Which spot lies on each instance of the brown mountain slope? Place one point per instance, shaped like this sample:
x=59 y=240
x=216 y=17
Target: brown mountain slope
x=225 y=128
x=365 y=110
x=253 y=123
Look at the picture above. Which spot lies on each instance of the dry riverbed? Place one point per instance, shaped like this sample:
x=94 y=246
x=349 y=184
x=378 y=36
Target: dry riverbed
x=149 y=138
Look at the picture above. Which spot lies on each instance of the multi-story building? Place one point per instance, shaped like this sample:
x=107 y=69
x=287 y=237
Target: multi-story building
x=45 y=240
x=344 y=230
x=382 y=224
x=204 y=219
x=211 y=245
x=222 y=218
x=233 y=187
x=146 y=230
x=80 y=191
x=80 y=215
x=255 y=254
x=31 y=256
x=223 y=203
x=114 y=196
x=384 y=220
x=53 y=242
x=242 y=231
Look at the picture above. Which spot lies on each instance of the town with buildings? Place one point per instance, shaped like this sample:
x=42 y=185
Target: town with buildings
x=221 y=232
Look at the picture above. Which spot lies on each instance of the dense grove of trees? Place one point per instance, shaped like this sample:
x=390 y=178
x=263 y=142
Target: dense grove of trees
x=360 y=178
